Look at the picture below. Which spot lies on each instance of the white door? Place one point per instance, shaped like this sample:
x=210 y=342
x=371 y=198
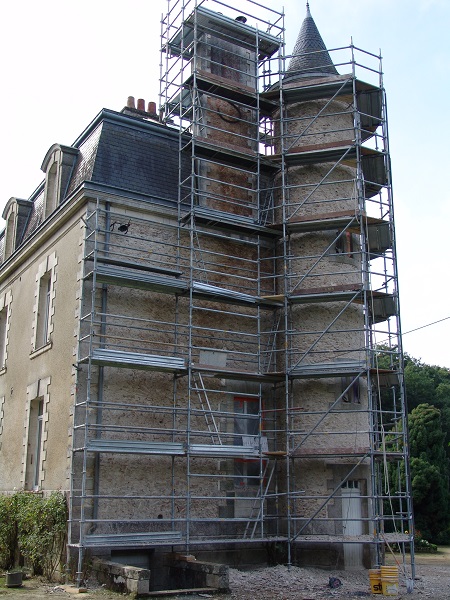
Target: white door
x=352 y=524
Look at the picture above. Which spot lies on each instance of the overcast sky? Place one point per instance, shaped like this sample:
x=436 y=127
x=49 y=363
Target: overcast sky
x=62 y=62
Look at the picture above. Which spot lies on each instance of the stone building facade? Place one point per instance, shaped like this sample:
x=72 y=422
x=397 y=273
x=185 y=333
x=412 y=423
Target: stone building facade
x=189 y=313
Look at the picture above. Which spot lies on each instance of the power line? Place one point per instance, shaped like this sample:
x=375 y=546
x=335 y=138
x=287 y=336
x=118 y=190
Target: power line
x=416 y=329
x=423 y=326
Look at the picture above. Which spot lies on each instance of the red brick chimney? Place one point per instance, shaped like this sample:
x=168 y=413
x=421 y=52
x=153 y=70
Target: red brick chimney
x=140 y=110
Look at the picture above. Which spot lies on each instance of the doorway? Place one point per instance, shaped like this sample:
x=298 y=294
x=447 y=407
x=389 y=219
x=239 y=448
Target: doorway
x=352 y=523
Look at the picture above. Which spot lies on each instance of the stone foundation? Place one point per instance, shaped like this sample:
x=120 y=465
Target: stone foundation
x=181 y=571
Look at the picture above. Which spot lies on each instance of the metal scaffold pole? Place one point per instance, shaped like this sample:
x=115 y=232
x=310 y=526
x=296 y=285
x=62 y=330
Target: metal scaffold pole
x=251 y=326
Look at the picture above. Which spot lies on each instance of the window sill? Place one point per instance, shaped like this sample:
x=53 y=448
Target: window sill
x=41 y=350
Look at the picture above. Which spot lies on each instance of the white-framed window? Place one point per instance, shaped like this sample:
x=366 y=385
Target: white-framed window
x=350 y=484
x=35 y=434
x=5 y=317
x=44 y=303
x=247 y=433
x=35 y=440
x=2 y=413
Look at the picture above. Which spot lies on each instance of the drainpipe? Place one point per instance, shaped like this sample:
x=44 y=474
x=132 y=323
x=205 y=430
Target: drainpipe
x=101 y=370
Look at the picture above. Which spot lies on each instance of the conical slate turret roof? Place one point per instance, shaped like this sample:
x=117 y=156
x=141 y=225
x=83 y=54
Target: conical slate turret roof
x=310 y=56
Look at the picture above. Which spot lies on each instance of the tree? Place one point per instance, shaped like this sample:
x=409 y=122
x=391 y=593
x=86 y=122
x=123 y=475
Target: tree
x=423 y=382
x=442 y=401
x=428 y=384
x=428 y=399
x=429 y=473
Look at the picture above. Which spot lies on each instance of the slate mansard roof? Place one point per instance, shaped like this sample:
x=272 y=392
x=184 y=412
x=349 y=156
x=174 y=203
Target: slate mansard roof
x=131 y=155
x=120 y=154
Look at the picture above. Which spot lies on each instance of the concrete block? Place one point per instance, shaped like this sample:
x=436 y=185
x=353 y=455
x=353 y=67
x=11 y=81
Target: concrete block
x=122 y=578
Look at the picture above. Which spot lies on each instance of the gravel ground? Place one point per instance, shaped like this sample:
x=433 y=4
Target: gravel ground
x=280 y=583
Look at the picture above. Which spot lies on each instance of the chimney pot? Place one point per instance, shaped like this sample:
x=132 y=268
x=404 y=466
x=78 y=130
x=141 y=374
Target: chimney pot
x=141 y=104
x=151 y=108
x=130 y=102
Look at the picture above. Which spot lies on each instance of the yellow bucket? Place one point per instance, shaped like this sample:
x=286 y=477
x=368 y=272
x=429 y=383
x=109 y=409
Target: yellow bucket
x=390 y=570
x=375 y=581
x=389 y=580
x=389 y=586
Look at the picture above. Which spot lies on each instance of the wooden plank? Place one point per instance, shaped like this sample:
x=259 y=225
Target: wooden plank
x=176 y=592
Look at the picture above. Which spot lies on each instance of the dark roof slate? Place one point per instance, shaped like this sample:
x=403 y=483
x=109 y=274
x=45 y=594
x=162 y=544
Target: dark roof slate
x=84 y=165
x=23 y=217
x=134 y=160
x=36 y=214
x=124 y=154
x=310 y=56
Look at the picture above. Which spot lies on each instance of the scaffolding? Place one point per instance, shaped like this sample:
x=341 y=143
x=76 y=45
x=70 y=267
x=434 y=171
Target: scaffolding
x=244 y=344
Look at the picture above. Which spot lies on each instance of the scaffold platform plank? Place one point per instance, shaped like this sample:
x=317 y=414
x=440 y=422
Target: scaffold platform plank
x=323 y=222
x=330 y=452
x=341 y=293
x=182 y=591
x=135 y=447
x=139 y=279
x=107 y=260
x=349 y=220
x=320 y=370
x=229 y=221
x=129 y=540
x=391 y=538
x=333 y=452
x=223 y=451
x=238 y=374
x=207 y=291
x=136 y=360
x=120 y=446
x=170 y=285
x=321 y=153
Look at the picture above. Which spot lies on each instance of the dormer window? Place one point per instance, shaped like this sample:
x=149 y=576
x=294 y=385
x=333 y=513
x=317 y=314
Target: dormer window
x=51 y=189
x=10 y=218
x=58 y=167
x=15 y=213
